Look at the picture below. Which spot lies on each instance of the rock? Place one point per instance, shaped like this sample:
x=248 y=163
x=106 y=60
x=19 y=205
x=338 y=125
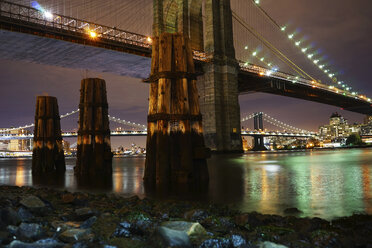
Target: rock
x=32 y=202
x=105 y=226
x=196 y=215
x=140 y=223
x=24 y=214
x=74 y=235
x=62 y=226
x=216 y=243
x=12 y=229
x=268 y=244
x=194 y=230
x=9 y=217
x=123 y=230
x=30 y=231
x=89 y=222
x=325 y=238
x=292 y=211
x=172 y=238
x=84 y=213
x=81 y=245
x=238 y=241
x=44 y=243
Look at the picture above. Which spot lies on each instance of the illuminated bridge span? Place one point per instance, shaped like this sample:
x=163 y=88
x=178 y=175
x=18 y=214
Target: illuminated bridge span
x=144 y=133
x=261 y=55
x=290 y=131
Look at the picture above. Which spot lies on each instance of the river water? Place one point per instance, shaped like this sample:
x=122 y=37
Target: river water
x=324 y=184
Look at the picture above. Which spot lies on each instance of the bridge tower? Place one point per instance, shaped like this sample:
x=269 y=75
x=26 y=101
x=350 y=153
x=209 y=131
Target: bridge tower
x=258 y=140
x=218 y=87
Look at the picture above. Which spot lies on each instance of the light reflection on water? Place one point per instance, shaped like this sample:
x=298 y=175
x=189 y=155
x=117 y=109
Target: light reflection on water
x=325 y=184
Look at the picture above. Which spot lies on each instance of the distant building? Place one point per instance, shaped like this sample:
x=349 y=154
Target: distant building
x=366 y=129
x=17 y=145
x=338 y=129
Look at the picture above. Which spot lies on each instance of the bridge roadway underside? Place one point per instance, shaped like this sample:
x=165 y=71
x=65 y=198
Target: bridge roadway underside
x=77 y=54
x=249 y=82
x=71 y=50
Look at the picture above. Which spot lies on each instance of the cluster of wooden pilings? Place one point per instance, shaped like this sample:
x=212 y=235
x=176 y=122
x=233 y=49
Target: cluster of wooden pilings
x=94 y=155
x=175 y=150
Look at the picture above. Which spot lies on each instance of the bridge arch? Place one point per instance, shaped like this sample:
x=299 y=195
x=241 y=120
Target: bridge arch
x=185 y=16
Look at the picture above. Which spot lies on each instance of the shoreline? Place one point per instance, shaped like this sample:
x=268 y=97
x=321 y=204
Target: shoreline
x=46 y=217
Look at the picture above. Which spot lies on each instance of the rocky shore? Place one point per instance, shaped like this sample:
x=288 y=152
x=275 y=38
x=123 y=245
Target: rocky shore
x=44 y=218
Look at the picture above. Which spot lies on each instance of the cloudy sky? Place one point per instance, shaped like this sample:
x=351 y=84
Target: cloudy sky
x=341 y=29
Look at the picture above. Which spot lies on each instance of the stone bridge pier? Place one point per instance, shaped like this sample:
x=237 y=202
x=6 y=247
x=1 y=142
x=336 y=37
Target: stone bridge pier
x=218 y=86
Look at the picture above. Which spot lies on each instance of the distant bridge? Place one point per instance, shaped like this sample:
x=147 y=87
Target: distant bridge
x=144 y=133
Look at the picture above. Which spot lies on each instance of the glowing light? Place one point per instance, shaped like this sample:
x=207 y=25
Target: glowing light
x=269 y=64
x=339 y=82
x=92 y=34
x=310 y=56
x=304 y=49
x=262 y=59
x=290 y=36
x=257 y=1
x=331 y=75
x=261 y=73
x=268 y=73
x=316 y=61
x=321 y=66
x=246 y=47
x=298 y=43
x=283 y=28
x=149 y=40
x=254 y=53
x=48 y=15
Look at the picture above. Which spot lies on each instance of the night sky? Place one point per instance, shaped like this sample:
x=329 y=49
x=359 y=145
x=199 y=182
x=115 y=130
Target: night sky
x=342 y=30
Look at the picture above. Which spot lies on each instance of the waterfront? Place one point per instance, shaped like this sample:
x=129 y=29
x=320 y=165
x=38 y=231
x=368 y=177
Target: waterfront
x=324 y=184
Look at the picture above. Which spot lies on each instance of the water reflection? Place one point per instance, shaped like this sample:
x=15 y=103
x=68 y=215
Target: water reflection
x=324 y=184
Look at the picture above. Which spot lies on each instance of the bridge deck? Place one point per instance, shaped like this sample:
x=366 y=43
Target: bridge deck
x=250 y=82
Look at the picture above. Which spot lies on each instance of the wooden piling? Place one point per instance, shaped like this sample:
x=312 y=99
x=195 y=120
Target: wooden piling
x=47 y=155
x=175 y=150
x=94 y=156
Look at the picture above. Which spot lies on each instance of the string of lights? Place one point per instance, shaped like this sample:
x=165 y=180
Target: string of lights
x=111 y=118
x=32 y=125
x=282 y=124
x=276 y=122
x=309 y=51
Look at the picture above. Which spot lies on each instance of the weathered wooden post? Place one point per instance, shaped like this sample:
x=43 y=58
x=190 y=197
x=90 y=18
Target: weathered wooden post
x=47 y=155
x=94 y=156
x=175 y=150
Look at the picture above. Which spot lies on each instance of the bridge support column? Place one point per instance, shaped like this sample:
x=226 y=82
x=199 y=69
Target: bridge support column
x=94 y=156
x=218 y=86
x=175 y=151
x=47 y=154
x=259 y=144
